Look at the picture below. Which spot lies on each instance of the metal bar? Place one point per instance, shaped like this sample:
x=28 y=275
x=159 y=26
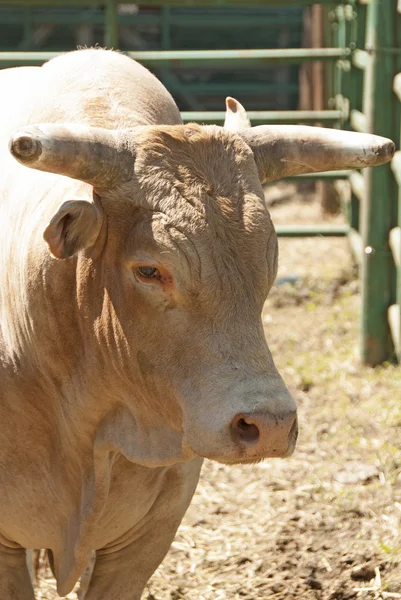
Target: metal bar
x=360 y=59
x=77 y=15
x=27 y=20
x=377 y=210
x=355 y=94
x=395 y=234
x=224 y=59
x=165 y=32
x=8 y=59
x=312 y=230
x=356 y=244
x=212 y=20
x=343 y=189
x=158 y=3
x=394 y=321
x=396 y=166
x=226 y=87
x=111 y=29
x=228 y=58
x=328 y=175
x=289 y=116
x=397 y=85
x=358 y=121
x=357 y=185
x=395 y=244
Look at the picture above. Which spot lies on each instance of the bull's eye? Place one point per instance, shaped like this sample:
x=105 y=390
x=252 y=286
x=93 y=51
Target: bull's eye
x=149 y=272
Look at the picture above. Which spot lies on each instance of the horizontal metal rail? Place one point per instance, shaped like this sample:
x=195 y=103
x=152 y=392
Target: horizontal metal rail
x=226 y=87
x=327 y=175
x=157 y=3
x=190 y=58
x=312 y=230
x=95 y=16
x=265 y=116
x=358 y=121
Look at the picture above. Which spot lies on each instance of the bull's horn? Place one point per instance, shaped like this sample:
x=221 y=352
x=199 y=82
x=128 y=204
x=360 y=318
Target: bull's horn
x=97 y=156
x=285 y=150
x=236 y=117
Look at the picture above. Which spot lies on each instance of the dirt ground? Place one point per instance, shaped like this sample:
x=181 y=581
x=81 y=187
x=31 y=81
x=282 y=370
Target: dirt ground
x=324 y=524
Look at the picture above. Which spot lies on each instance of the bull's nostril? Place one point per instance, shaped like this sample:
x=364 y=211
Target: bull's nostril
x=246 y=432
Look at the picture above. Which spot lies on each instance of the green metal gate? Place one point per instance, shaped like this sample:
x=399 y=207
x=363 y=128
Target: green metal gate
x=362 y=60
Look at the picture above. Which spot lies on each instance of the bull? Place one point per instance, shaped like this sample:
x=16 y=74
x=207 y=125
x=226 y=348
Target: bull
x=135 y=257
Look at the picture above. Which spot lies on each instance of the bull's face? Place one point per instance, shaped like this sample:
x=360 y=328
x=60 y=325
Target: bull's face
x=199 y=254
x=186 y=255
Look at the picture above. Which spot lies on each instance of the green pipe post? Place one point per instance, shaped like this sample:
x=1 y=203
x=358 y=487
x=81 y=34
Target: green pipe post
x=395 y=309
x=111 y=29
x=27 y=39
x=355 y=95
x=377 y=212
x=398 y=118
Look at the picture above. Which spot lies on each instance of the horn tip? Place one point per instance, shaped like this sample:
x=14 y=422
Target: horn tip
x=389 y=149
x=384 y=150
x=24 y=147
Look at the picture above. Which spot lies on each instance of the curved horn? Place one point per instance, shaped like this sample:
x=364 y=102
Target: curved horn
x=285 y=150
x=97 y=156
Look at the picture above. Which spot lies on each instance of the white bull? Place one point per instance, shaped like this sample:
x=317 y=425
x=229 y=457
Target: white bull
x=135 y=257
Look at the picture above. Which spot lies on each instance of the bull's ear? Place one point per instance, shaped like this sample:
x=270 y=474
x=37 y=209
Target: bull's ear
x=75 y=226
x=236 y=117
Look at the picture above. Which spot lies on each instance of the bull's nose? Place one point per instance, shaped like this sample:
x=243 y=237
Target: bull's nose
x=245 y=429
x=265 y=435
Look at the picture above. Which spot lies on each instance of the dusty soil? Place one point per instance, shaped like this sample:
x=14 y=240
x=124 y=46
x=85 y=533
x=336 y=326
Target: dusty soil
x=324 y=524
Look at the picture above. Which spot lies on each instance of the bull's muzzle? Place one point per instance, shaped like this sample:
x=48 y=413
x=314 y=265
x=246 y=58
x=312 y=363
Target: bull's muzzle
x=265 y=435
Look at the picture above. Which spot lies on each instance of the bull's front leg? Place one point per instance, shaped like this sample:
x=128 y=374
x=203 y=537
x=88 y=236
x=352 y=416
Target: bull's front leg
x=121 y=573
x=15 y=582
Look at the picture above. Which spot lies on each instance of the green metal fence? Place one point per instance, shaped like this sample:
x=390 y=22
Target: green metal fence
x=363 y=64
x=197 y=86
x=371 y=29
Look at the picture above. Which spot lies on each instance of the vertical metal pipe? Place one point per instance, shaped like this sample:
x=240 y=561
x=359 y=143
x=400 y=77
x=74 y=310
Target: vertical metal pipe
x=111 y=29
x=355 y=96
x=397 y=307
x=378 y=208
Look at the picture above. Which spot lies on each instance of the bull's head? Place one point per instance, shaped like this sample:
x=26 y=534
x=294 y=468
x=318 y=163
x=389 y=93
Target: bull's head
x=188 y=255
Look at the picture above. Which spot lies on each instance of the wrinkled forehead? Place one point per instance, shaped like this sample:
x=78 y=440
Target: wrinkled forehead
x=202 y=192
x=201 y=174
